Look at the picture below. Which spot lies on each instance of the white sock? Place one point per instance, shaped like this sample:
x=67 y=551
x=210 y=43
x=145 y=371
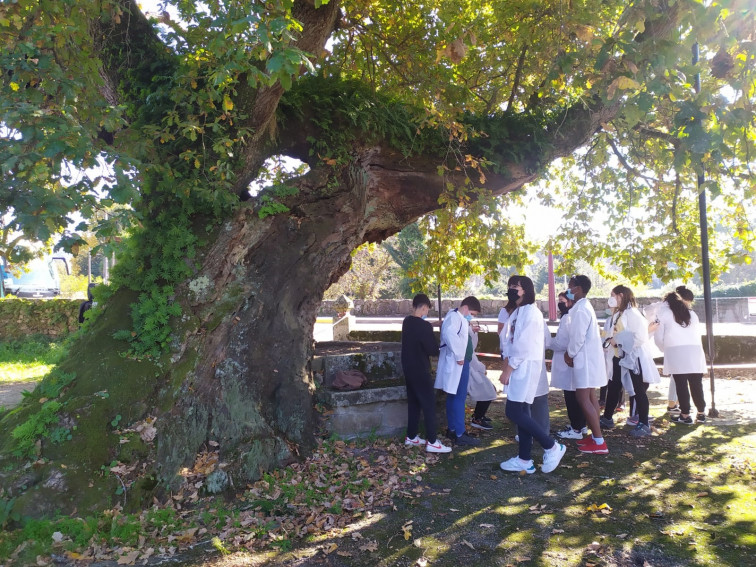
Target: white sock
x=598 y=440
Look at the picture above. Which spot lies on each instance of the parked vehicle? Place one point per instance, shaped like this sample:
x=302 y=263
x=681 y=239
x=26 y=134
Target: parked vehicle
x=39 y=281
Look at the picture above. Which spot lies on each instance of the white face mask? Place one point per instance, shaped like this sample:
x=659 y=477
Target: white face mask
x=612 y=302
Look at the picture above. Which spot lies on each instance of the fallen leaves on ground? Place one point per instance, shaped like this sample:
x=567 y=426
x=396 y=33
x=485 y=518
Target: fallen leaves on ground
x=340 y=483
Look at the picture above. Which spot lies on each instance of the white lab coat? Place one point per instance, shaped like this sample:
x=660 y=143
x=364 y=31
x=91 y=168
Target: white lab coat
x=503 y=319
x=584 y=347
x=561 y=374
x=683 y=352
x=525 y=353
x=543 y=381
x=634 y=322
x=479 y=388
x=454 y=331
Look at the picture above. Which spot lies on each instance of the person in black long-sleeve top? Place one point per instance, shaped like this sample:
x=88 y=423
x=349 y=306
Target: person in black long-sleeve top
x=418 y=344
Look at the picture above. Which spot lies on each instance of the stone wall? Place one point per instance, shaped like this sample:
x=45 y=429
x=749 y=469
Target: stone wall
x=55 y=318
x=724 y=309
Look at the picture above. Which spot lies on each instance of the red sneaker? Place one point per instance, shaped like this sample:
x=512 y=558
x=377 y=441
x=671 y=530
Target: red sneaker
x=593 y=447
x=585 y=440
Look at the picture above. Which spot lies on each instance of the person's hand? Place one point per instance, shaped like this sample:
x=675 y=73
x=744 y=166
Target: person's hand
x=506 y=374
x=653 y=326
x=568 y=360
x=460 y=362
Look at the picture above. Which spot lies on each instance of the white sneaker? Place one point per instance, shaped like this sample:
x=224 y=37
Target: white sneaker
x=551 y=458
x=517 y=438
x=437 y=447
x=569 y=433
x=515 y=464
x=416 y=442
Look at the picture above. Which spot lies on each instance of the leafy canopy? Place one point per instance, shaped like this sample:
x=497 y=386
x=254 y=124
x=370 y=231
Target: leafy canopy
x=166 y=123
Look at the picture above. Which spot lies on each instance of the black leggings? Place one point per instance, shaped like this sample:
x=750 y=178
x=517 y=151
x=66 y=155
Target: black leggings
x=574 y=411
x=481 y=408
x=421 y=396
x=694 y=381
x=639 y=400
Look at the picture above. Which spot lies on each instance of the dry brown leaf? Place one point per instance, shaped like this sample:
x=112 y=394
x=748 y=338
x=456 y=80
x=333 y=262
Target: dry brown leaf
x=468 y=544
x=371 y=546
x=330 y=548
x=130 y=558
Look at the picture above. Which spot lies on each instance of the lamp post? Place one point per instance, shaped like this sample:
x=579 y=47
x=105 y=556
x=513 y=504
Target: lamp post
x=706 y=272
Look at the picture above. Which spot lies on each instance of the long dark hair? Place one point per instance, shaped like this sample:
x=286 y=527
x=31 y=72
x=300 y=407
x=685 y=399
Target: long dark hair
x=511 y=305
x=528 y=289
x=684 y=293
x=679 y=309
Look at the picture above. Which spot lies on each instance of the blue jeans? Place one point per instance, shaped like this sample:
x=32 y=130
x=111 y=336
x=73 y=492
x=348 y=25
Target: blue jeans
x=455 y=403
x=528 y=429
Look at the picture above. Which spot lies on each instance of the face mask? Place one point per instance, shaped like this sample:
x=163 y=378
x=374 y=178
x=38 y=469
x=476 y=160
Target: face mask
x=513 y=295
x=570 y=295
x=562 y=308
x=468 y=317
x=612 y=302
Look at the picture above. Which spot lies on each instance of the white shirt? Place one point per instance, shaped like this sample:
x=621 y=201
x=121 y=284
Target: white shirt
x=584 y=347
x=453 y=346
x=525 y=352
x=636 y=323
x=683 y=352
x=561 y=374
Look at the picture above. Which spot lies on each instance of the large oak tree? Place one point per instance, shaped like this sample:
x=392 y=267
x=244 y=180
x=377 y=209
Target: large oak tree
x=399 y=109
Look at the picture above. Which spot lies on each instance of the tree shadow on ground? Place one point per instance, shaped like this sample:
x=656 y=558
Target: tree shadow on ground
x=682 y=497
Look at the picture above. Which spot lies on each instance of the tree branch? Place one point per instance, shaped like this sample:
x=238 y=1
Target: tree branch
x=518 y=74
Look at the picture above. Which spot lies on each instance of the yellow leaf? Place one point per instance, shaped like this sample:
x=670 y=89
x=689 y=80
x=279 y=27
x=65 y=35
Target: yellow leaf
x=194 y=84
x=228 y=104
x=14 y=86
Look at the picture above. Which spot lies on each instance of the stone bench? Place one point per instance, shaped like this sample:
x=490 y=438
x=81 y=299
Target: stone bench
x=379 y=407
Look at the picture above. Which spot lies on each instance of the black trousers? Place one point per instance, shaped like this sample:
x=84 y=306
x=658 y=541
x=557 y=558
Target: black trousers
x=574 y=411
x=695 y=383
x=481 y=408
x=421 y=397
x=639 y=400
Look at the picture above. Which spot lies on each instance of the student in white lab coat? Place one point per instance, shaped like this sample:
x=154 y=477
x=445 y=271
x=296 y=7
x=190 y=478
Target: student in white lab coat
x=522 y=375
x=679 y=337
x=539 y=409
x=480 y=389
x=561 y=374
x=453 y=371
x=586 y=358
x=650 y=312
x=638 y=360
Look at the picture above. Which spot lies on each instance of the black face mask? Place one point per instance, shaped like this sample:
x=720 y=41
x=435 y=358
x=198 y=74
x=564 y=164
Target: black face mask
x=513 y=295
x=563 y=309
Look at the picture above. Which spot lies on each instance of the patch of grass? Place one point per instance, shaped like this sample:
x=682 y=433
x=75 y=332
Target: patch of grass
x=30 y=359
